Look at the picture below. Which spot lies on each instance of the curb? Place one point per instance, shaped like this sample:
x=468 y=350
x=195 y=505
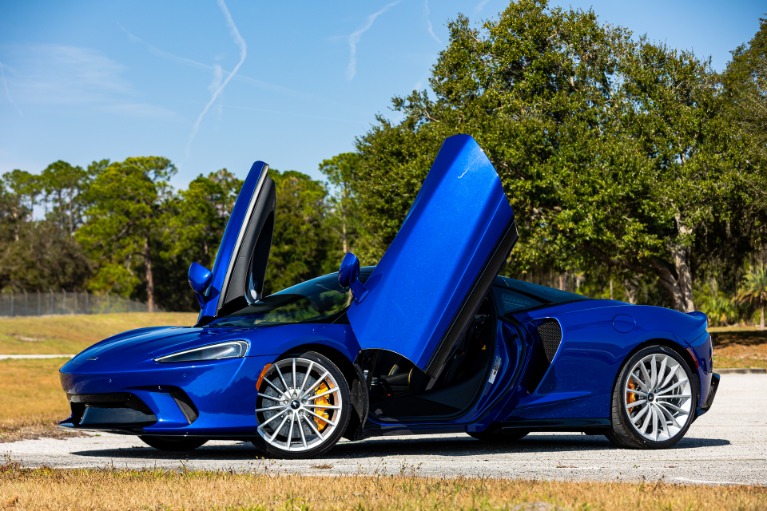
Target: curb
x=742 y=370
x=32 y=357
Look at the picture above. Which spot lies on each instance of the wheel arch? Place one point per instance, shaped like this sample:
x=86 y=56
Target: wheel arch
x=668 y=343
x=354 y=378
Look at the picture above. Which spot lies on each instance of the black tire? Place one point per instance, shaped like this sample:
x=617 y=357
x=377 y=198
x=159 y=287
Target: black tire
x=173 y=443
x=300 y=432
x=645 y=413
x=499 y=437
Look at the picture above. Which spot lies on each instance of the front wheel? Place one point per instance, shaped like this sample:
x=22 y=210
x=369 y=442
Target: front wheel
x=653 y=402
x=302 y=408
x=173 y=443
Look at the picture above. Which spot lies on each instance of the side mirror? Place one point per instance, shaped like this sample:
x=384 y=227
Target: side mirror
x=199 y=280
x=348 y=276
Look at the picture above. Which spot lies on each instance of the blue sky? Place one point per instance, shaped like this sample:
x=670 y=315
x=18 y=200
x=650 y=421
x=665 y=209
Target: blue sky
x=213 y=84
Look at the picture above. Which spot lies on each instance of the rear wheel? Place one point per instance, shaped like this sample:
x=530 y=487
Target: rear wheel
x=303 y=406
x=173 y=443
x=653 y=402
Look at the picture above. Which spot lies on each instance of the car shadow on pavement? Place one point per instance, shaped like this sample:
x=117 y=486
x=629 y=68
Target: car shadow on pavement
x=459 y=446
x=453 y=446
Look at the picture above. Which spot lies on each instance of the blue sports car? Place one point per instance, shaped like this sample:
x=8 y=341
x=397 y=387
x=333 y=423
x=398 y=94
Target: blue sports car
x=431 y=340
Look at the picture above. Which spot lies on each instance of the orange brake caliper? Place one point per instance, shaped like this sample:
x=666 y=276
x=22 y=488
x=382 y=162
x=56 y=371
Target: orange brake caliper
x=630 y=396
x=322 y=401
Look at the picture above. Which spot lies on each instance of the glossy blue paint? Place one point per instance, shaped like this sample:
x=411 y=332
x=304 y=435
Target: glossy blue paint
x=222 y=390
x=428 y=271
x=199 y=280
x=348 y=276
x=406 y=305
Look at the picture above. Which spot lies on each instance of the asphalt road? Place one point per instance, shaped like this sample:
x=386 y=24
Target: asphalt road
x=726 y=446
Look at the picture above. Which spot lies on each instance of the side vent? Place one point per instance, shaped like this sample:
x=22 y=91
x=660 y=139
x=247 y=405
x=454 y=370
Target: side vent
x=551 y=335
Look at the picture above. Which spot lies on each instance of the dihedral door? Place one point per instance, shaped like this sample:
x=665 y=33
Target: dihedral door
x=238 y=273
x=430 y=282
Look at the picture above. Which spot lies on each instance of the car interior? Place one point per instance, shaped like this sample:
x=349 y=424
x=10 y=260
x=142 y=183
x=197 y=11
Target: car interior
x=398 y=390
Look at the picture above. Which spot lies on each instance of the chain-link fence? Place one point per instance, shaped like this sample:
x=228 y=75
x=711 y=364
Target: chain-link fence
x=61 y=302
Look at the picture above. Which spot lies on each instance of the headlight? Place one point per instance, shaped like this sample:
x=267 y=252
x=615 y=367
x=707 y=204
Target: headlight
x=231 y=349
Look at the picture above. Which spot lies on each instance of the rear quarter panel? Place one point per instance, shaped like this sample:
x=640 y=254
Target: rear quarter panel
x=597 y=337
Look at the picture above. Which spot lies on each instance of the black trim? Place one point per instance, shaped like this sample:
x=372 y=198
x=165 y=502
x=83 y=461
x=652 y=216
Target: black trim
x=715 y=378
x=510 y=315
x=250 y=260
x=557 y=424
x=550 y=333
x=182 y=400
x=471 y=304
x=120 y=409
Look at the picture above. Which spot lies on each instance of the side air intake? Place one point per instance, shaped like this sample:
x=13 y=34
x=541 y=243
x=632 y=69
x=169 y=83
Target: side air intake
x=551 y=335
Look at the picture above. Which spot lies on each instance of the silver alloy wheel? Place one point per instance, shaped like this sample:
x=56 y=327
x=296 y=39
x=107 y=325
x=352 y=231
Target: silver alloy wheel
x=657 y=397
x=300 y=405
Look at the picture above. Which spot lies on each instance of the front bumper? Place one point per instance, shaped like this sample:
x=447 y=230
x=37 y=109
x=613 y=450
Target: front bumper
x=215 y=399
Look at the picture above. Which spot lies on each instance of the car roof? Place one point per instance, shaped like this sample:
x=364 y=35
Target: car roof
x=545 y=293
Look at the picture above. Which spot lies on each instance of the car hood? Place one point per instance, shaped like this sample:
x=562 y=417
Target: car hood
x=146 y=344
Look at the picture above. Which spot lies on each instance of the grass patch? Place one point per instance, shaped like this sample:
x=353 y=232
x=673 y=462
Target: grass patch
x=747 y=336
x=740 y=356
x=739 y=347
x=109 y=489
x=31 y=399
x=73 y=333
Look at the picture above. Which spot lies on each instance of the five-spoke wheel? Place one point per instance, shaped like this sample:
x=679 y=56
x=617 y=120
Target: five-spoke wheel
x=653 y=400
x=302 y=407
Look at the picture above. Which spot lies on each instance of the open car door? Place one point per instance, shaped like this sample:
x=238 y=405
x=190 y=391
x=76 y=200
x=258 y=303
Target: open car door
x=430 y=282
x=237 y=277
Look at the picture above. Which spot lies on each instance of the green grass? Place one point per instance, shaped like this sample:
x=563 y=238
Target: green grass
x=73 y=333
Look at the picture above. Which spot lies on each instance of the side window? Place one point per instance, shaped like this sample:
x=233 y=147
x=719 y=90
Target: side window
x=509 y=301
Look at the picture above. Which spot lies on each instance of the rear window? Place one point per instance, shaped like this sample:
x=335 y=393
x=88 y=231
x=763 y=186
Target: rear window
x=513 y=295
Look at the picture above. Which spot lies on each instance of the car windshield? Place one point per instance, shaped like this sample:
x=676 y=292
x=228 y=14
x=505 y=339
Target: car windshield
x=314 y=301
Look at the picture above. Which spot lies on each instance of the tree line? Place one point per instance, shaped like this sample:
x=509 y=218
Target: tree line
x=635 y=170
x=119 y=227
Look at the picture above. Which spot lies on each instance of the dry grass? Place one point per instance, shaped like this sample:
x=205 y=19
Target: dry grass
x=741 y=355
x=156 y=489
x=31 y=399
x=72 y=334
x=739 y=347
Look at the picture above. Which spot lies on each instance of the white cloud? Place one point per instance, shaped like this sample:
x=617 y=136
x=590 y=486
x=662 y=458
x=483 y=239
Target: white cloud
x=140 y=110
x=481 y=5
x=240 y=42
x=185 y=61
x=218 y=79
x=154 y=50
x=5 y=89
x=60 y=75
x=57 y=74
x=429 y=27
x=354 y=38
